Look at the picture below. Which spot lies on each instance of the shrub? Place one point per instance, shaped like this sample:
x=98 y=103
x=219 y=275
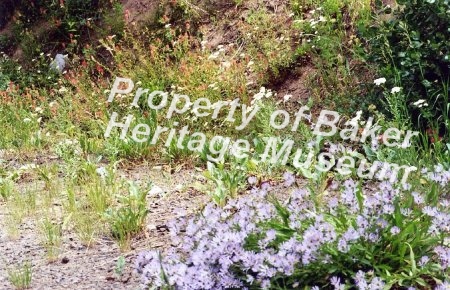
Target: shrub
x=372 y=239
x=412 y=49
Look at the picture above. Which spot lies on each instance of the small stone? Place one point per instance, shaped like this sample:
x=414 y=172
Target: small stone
x=151 y=227
x=65 y=260
x=155 y=191
x=162 y=228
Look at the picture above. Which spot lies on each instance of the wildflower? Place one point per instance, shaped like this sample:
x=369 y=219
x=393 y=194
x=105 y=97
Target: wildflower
x=62 y=90
x=203 y=44
x=423 y=261
x=225 y=64
x=379 y=81
x=406 y=211
x=395 y=90
x=395 y=230
x=336 y=282
x=102 y=172
x=286 y=98
x=214 y=55
x=444 y=256
x=376 y=284
x=214 y=245
x=311 y=144
x=443 y=286
x=420 y=103
x=375 y=144
x=355 y=119
x=360 y=280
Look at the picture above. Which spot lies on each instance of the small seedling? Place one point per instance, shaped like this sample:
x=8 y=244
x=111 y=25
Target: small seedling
x=120 y=266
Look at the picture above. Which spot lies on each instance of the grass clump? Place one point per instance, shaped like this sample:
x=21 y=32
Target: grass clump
x=128 y=219
x=21 y=276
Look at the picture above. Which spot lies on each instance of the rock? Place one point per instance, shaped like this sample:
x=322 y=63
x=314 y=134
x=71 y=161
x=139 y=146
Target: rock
x=65 y=260
x=156 y=191
x=151 y=227
x=59 y=63
x=162 y=228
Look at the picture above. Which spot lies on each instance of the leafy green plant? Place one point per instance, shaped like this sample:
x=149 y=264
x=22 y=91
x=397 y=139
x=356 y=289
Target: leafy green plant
x=411 y=48
x=4 y=82
x=120 y=266
x=6 y=188
x=227 y=180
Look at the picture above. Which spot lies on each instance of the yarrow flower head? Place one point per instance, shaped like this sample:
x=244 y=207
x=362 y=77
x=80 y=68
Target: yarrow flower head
x=395 y=90
x=379 y=81
x=420 y=103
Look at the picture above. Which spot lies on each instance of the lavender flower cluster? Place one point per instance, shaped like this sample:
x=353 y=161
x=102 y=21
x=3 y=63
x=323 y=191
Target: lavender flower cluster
x=257 y=242
x=439 y=175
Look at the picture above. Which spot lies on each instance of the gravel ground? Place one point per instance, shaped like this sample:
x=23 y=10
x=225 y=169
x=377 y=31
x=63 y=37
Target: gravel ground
x=78 y=267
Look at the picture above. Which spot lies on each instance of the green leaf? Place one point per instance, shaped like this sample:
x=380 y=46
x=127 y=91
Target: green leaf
x=412 y=260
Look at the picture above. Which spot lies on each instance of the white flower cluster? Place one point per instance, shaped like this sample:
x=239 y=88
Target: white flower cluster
x=68 y=148
x=263 y=93
x=220 y=50
x=420 y=104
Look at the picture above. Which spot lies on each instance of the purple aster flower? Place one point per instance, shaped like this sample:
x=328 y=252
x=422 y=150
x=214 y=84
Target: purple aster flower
x=443 y=286
x=444 y=256
x=423 y=261
x=395 y=230
x=376 y=284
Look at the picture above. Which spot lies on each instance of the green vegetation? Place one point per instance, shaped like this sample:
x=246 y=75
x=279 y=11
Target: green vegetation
x=20 y=277
x=359 y=58
x=412 y=54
